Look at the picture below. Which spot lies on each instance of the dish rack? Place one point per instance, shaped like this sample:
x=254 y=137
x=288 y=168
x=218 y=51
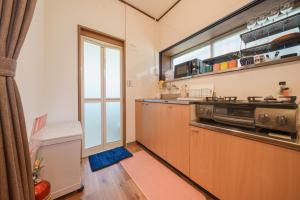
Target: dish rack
x=199 y=92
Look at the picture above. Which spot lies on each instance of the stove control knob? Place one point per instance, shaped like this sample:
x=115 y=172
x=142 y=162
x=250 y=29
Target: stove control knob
x=263 y=118
x=281 y=120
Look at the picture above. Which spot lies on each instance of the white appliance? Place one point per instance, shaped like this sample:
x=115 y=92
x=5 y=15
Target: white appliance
x=60 y=148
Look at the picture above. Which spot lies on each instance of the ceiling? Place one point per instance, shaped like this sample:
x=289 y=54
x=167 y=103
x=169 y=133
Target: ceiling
x=154 y=8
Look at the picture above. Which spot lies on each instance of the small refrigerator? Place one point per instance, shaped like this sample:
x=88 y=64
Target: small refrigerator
x=60 y=148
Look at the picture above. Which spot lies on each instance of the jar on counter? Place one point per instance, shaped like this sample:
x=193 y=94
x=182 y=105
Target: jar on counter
x=224 y=66
x=216 y=67
x=209 y=68
x=232 y=64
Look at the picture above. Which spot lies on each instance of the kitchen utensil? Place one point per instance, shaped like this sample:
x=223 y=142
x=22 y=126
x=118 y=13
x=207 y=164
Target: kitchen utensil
x=262 y=19
x=270 y=98
x=267 y=57
x=276 y=55
x=273 y=14
x=288 y=99
x=254 y=98
x=288 y=36
x=259 y=59
x=184 y=91
x=247 y=60
x=251 y=23
x=284 y=89
x=286 y=7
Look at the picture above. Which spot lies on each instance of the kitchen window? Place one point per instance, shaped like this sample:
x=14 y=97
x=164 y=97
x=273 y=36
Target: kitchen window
x=247 y=38
x=227 y=44
x=220 y=46
x=201 y=53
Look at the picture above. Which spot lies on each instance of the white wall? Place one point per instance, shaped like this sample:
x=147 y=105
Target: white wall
x=108 y=16
x=140 y=62
x=190 y=16
x=30 y=76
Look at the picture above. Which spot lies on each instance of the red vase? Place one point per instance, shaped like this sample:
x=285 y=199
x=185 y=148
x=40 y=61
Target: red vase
x=42 y=190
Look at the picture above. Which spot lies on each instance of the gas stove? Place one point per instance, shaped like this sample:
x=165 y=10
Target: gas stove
x=255 y=112
x=283 y=102
x=221 y=99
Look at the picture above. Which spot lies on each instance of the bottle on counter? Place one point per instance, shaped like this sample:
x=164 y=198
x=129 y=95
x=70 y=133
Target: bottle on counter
x=184 y=91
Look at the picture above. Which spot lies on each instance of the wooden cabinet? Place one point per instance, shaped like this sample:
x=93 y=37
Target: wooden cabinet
x=138 y=122
x=164 y=129
x=175 y=129
x=231 y=167
x=151 y=123
x=147 y=123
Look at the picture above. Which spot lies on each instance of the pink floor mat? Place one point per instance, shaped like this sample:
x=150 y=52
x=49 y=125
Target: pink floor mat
x=156 y=181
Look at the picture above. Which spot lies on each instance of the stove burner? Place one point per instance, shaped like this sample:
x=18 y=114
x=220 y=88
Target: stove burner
x=288 y=99
x=212 y=98
x=232 y=98
x=270 y=99
x=254 y=99
x=222 y=99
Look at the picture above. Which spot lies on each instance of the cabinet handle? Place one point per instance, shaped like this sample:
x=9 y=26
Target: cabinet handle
x=194 y=131
x=170 y=107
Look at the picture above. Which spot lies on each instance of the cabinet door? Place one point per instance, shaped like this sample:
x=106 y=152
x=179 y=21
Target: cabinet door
x=150 y=124
x=203 y=158
x=176 y=128
x=145 y=120
x=236 y=168
x=138 y=122
x=153 y=127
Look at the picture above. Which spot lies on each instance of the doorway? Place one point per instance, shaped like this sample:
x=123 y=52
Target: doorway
x=101 y=95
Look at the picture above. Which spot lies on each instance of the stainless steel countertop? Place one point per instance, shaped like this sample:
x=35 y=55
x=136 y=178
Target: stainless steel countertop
x=248 y=134
x=166 y=101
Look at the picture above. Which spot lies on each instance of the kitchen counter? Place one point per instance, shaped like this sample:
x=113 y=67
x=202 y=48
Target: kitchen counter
x=167 y=101
x=248 y=134
x=240 y=132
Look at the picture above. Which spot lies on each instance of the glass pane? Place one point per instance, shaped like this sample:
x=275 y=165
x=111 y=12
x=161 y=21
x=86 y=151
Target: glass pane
x=201 y=53
x=228 y=44
x=92 y=124
x=112 y=72
x=91 y=70
x=113 y=122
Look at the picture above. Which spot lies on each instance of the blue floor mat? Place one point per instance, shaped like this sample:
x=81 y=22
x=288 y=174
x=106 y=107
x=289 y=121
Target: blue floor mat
x=108 y=158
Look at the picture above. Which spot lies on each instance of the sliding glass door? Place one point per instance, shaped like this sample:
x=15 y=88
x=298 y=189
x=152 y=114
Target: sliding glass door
x=101 y=72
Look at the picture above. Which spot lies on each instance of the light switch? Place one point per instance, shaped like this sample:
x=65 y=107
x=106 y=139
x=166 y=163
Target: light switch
x=130 y=83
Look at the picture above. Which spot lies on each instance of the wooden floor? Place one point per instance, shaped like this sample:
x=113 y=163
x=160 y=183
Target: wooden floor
x=111 y=183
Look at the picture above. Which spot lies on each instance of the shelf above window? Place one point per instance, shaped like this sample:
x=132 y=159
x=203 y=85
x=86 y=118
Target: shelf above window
x=272 y=29
x=271 y=46
x=247 y=67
